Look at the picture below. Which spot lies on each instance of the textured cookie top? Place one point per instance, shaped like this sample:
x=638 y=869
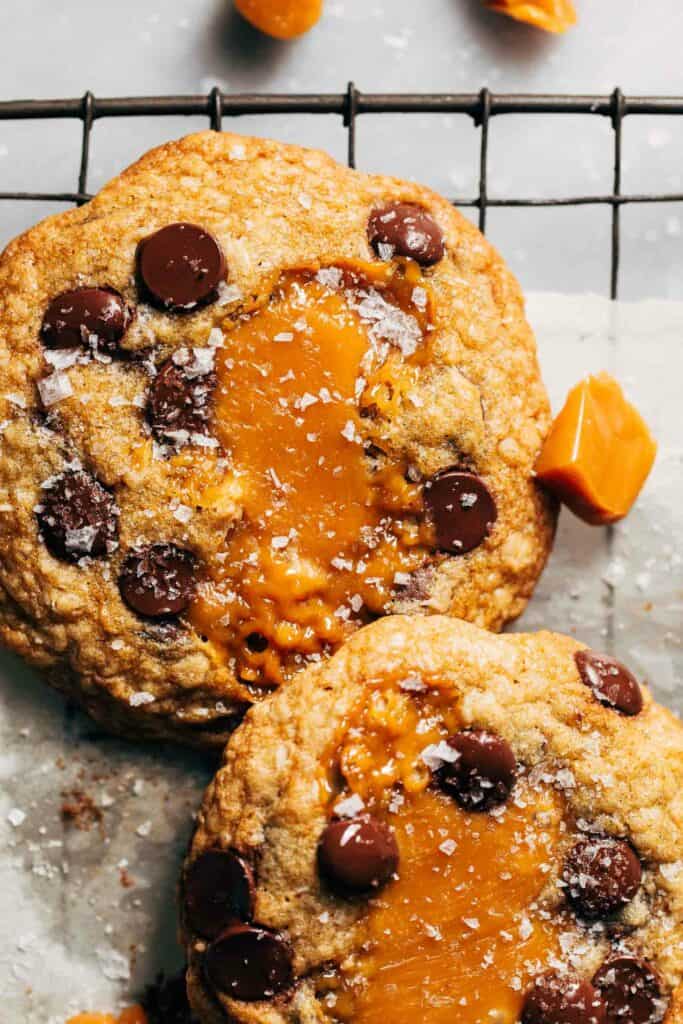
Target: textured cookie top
x=251 y=400
x=442 y=821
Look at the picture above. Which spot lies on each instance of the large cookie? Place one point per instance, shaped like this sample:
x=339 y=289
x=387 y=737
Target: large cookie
x=442 y=824
x=252 y=400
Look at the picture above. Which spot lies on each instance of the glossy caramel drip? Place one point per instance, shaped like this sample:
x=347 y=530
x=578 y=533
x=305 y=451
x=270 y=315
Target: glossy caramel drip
x=326 y=526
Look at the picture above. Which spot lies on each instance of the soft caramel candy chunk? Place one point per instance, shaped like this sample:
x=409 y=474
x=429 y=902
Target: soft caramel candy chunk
x=598 y=453
x=283 y=19
x=551 y=15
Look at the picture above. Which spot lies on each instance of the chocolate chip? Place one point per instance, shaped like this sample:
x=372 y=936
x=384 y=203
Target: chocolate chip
x=219 y=891
x=405 y=229
x=601 y=875
x=180 y=267
x=556 y=998
x=77 y=516
x=631 y=990
x=249 y=963
x=179 y=402
x=83 y=317
x=461 y=509
x=483 y=773
x=611 y=682
x=257 y=642
x=358 y=854
x=158 y=580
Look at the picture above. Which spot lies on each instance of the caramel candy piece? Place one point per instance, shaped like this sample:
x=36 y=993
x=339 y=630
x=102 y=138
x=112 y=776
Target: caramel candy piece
x=282 y=19
x=550 y=15
x=598 y=453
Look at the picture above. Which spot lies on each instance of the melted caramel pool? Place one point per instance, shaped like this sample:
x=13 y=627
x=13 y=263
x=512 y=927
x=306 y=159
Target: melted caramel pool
x=460 y=933
x=328 y=530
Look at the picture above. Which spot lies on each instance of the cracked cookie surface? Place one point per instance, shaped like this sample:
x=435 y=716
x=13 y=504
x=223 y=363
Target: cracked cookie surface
x=140 y=564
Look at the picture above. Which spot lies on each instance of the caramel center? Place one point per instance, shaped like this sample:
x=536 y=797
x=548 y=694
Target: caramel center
x=463 y=929
x=326 y=527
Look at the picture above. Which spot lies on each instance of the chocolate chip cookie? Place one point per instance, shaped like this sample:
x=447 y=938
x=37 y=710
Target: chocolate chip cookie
x=443 y=824
x=251 y=401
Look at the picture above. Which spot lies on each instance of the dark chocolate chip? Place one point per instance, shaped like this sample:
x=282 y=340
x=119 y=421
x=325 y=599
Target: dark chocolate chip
x=219 y=891
x=86 y=317
x=78 y=517
x=358 y=853
x=602 y=875
x=483 y=773
x=405 y=229
x=249 y=963
x=631 y=989
x=257 y=642
x=565 y=998
x=179 y=402
x=611 y=682
x=461 y=509
x=180 y=267
x=158 y=580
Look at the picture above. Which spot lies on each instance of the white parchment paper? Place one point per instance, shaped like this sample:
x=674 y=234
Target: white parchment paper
x=89 y=914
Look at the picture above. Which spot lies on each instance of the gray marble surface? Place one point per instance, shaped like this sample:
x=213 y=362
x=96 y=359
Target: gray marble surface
x=137 y=47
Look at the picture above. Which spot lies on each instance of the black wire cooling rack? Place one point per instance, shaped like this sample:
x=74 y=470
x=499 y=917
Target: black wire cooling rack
x=481 y=107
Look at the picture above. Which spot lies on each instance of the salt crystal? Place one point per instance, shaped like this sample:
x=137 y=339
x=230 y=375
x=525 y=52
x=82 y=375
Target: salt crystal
x=471 y=922
x=439 y=753
x=350 y=806
x=113 y=964
x=238 y=152
x=280 y=542
x=54 y=388
x=227 y=293
x=144 y=829
x=526 y=929
x=183 y=513
x=62 y=358
x=306 y=400
x=412 y=684
x=420 y=298
x=215 y=338
x=16 y=817
x=284 y=336
x=448 y=846
x=330 y=277
x=305 y=200
x=15 y=399
x=140 y=697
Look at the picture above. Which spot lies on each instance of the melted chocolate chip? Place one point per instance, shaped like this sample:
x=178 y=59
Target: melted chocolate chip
x=358 y=853
x=249 y=963
x=257 y=642
x=556 y=998
x=405 y=229
x=611 y=682
x=83 y=317
x=601 y=875
x=461 y=508
x=158 y=580
x=77 y=516
x=483 y=773
x=219 y=891
x=180 y=267
x=179 y=402
x=631 y=990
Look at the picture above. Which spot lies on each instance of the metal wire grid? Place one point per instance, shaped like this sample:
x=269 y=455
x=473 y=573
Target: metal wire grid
x=480 y=107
